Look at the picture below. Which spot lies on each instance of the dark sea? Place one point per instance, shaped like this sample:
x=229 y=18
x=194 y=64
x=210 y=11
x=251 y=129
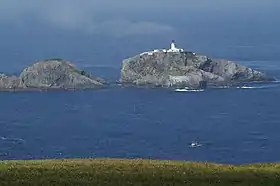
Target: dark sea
x=232 y=125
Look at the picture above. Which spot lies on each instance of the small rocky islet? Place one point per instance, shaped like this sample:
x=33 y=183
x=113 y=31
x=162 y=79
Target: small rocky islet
x=51 y=74
x=158 y=68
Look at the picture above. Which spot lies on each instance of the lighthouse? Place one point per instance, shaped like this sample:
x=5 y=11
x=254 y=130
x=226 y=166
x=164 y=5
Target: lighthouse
x=173 y=47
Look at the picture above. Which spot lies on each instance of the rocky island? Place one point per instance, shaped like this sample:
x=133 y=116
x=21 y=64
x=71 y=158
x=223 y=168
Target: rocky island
x=178 y=68
x=159 y=68
x=50 y=74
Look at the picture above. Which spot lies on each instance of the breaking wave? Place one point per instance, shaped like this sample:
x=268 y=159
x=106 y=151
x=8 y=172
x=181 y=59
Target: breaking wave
x=252 y=86
x=189 y=90
x=258 y=86
x=2 y=138
x=249 y=87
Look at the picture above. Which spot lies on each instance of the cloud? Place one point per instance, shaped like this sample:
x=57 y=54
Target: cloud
x=113 y=27
x=119 y=17
x=87 y=16
x=119 y=28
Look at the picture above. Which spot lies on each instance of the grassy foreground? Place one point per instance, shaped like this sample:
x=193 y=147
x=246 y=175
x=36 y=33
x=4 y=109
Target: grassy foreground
x=120 y=172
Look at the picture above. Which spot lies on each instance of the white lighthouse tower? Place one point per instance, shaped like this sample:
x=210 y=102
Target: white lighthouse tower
x=173 y=47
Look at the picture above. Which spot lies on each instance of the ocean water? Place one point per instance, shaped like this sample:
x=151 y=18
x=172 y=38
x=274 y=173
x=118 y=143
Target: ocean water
x=232 y=125
x=235 y=125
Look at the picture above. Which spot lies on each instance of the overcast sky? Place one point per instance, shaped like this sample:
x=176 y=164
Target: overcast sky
x=122 y=17
x=140 y=24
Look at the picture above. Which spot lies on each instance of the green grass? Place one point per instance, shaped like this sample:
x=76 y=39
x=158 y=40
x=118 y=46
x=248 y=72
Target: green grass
x=120 y=172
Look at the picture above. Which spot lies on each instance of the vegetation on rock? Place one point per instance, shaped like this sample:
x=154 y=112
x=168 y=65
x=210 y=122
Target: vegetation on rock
x=121 y=172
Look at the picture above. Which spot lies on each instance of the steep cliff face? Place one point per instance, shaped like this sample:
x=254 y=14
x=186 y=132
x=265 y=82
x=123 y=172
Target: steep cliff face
x=51 y=74
x=166 y=69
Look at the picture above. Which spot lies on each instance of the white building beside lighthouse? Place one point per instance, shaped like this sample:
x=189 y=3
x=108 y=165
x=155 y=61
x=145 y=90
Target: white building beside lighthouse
x=172 y=48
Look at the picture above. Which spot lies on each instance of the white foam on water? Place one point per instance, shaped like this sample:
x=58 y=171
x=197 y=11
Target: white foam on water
x=189 y=90
x=259 y=87
x=11 y=139
x=276 y=81
x=247 y=87
x=195 y=145
x=274 y=84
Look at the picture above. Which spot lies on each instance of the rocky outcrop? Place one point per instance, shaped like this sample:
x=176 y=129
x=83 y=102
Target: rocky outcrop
x=9 y=82
x=51 y=74
x=167 y=69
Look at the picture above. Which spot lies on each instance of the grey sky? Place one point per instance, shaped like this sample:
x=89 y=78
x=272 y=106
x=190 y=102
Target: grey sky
x=83 y=30
x=90 y=16
x=119 y=18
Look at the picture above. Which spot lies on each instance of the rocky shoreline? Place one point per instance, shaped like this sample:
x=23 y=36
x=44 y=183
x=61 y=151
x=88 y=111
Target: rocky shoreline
x=185 y=69
x=159 y=68
x=51 y=74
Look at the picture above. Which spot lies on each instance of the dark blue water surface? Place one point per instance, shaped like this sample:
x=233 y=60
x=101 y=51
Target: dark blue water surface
x=233 y=125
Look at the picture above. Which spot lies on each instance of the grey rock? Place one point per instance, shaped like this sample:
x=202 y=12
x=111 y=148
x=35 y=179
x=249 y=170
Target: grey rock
x=232 y=72
x=9 y=82
x=56 y=73
x=50 y=74
x=167 y=69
